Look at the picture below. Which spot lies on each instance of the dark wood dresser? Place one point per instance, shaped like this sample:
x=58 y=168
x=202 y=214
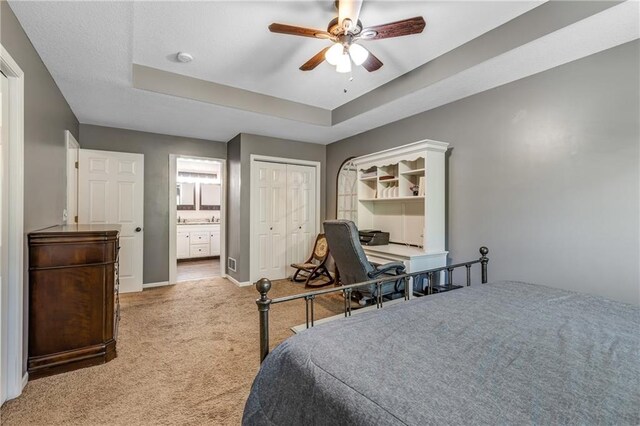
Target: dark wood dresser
x=73 y=297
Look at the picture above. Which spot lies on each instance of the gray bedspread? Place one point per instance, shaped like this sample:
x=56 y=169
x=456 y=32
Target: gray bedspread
x=501 y=353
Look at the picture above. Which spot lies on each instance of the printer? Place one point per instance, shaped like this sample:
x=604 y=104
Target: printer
x=373 y=237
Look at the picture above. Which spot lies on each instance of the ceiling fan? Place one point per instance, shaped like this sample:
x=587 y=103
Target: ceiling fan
x=345 y=32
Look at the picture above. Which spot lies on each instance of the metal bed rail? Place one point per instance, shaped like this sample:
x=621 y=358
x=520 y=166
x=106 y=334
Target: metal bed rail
x=264 y=285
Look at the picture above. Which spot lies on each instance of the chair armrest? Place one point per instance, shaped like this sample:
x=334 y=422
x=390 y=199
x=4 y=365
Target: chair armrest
x=395 y=267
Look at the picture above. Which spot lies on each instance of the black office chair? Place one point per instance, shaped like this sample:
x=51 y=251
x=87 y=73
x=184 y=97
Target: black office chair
x=349 y=256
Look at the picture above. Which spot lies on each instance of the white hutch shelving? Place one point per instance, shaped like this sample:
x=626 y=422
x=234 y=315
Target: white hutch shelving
x=386 y=201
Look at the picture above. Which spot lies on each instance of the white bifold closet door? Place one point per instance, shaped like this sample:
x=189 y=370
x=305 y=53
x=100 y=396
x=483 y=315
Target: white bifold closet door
x=284 y=222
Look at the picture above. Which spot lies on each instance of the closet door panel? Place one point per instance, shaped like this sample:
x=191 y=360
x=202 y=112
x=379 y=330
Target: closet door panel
x=278 y=218
x=270 y=227
x=261 y=233
x=301 y=202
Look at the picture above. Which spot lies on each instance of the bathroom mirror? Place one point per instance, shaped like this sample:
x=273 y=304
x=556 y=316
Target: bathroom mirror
x=186 y=196
x=347 y=192
x=209 y=196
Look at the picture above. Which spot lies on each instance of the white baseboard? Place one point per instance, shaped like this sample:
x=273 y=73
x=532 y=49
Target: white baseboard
x=238 y=283
x=158 y=284
x=25 y=379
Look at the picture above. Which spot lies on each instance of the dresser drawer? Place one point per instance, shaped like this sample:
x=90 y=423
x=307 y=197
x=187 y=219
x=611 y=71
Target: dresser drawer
x=199 y=250
x=199 y=238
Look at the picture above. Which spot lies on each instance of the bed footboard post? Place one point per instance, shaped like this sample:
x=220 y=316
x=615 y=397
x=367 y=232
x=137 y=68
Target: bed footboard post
x=484 y=260
x=264 y=303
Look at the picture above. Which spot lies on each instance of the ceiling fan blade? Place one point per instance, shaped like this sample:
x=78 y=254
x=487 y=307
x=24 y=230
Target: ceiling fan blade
x=372 y=63
x=349 y=9
x=298 y=31
x=394 y=29
x=315 y=61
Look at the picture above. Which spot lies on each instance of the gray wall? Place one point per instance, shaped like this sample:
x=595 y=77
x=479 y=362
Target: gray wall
x=544 y=171
x=46 y=116
x=262 y=145
x=234 y=167
x=156 y=149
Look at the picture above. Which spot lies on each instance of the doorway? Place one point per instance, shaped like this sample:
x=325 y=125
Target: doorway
x=197 y=207
x=12 y=338
x=73 y=158
x=4 y=202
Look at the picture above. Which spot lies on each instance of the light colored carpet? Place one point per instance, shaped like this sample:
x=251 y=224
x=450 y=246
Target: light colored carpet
x=187 y=354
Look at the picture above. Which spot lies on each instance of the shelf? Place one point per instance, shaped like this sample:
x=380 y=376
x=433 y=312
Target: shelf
x=409 y=198
x=364 y=179
x=388 y=180
x=413 y=172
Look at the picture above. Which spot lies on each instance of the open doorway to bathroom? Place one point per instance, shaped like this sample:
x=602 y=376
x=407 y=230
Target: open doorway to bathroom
x=199 y=218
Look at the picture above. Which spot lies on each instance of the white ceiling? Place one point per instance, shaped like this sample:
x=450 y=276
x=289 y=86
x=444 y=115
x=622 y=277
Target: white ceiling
x=232 y=45
x=89 y=48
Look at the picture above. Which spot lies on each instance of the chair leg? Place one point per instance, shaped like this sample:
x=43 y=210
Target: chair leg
x=315 y=273
x=326 y=272
x=295 y=278
x=309 y=277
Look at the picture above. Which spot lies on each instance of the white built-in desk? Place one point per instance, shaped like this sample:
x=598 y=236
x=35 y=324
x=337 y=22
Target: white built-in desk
x=414 y=258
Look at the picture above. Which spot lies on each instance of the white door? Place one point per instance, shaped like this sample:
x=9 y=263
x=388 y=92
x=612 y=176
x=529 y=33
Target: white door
x=4 y=231
x=182 y=245
x=270 y=220
x=73 y=152
x=301 y=212
x=111 y=191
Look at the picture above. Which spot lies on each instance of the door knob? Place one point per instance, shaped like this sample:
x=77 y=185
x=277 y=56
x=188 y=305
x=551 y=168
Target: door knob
x=138 y=229
x=299 y=227
x=271 y=228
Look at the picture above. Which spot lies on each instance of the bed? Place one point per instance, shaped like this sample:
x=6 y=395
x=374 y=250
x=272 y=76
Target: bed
x=497 y=353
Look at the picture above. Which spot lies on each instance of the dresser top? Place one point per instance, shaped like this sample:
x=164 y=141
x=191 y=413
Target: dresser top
x=74 y=228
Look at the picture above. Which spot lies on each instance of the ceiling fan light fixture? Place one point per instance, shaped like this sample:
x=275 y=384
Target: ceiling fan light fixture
x=358 y=54
x=334 y=54
x=344 y=64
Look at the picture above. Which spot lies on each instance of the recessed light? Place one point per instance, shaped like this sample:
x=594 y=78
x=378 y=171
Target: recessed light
x=184 y=57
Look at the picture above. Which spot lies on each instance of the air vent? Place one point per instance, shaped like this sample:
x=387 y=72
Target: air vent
x=231 y=264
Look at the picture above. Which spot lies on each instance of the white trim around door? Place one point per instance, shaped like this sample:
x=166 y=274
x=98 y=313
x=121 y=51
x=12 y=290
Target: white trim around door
x=253 y=204
x=173 y=220
x=11 y=319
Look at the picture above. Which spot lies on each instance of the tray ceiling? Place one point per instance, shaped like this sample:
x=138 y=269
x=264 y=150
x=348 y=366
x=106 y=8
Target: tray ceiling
x=233 y=46
x=90 y=48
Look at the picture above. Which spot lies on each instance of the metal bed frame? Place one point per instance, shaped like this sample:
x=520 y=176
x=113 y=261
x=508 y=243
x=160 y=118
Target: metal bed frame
x=264 y=285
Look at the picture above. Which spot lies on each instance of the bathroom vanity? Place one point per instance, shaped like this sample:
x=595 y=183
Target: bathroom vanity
x=198 y=239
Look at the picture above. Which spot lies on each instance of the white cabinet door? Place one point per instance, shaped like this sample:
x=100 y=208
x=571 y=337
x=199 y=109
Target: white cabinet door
x=270 y=220
x=301 y=212
x=182 y=245
x=111 y=191
x=214 y=242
